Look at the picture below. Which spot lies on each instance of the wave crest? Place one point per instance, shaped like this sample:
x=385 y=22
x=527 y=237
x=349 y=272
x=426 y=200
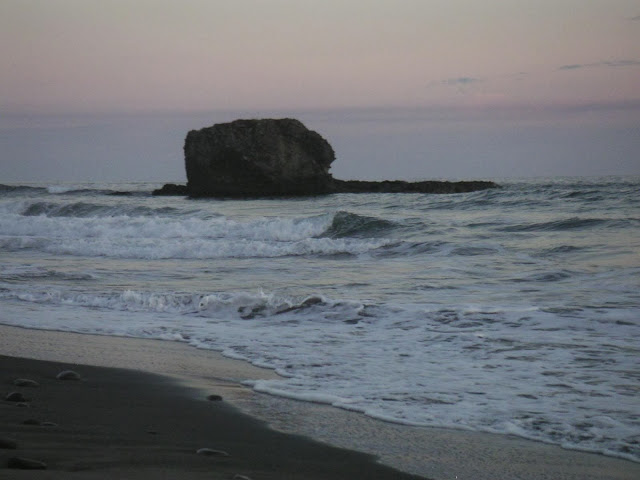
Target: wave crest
x=346 y=224
x=134 y=231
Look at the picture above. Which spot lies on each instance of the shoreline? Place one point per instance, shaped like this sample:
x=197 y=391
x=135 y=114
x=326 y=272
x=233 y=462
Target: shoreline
x=429 y=452
x=123 y=423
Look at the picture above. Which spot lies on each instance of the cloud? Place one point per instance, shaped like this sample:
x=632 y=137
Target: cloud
x=461 y=84
x=572 y=67
x=461 y=81
x=622 y=63
x=609 y=63
x=635 y=19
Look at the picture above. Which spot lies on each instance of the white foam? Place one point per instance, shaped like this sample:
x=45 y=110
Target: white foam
x=450 y=325
x=500 y=380
x=57 y=189
x=150 y=237
x=270 y=387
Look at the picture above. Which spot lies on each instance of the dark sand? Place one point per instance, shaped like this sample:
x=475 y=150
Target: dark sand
x=124 y=424
x=118 y=423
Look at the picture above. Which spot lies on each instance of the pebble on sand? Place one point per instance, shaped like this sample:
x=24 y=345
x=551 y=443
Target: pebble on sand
x=212 y=452
x=25 y=382
x=15 y=397
x=8 y=443
x=35 y=421
x=214 y=398
x=68 y=375
x=26 y=464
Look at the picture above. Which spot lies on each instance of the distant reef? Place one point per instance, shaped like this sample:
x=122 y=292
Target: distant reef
x=277 y=157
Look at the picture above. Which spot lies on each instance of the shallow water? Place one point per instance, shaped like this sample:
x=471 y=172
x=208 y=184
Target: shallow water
x=509 y=311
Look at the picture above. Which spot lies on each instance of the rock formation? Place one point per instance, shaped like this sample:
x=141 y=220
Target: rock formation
x=277 y=157
x=400 y=186
x=257 y=157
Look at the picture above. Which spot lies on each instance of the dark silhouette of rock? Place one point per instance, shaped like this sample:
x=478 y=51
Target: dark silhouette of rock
x=172 y=189
x=399 y=186
x=257 y=157
x=277 y=157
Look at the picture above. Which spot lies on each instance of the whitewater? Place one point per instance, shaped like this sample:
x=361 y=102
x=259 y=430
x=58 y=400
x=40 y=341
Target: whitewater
x=511 y=311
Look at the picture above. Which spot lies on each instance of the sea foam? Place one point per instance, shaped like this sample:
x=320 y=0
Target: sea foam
x=512 y=311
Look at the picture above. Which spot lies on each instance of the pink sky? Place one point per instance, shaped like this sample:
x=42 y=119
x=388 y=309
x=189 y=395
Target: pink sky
x=155 y=55
x=403 y=88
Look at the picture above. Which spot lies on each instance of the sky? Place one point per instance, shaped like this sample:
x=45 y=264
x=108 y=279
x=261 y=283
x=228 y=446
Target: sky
x=95 y=90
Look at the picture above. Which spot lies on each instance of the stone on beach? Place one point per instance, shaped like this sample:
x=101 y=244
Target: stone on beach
x=15 y=397
x=215 y=398
x=26 y=464
x=68 y=375
x=212 y=452
x=25 y=382
x=38 y=423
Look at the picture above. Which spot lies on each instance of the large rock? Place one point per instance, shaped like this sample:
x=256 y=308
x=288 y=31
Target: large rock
x=276 y=157
x=257 y=157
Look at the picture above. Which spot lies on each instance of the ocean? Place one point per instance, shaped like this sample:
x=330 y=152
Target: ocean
x=511 y=311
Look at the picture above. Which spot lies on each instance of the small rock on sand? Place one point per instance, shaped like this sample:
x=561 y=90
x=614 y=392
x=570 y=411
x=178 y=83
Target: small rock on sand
x=36 y=422
x=8 y=443
x=214 y=398
x=26 y=464
x=68 y=375
x=212 y=452
x=25 y=382
x=15 y=397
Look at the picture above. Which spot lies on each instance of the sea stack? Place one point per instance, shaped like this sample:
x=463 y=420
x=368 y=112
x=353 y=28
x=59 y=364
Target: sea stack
x=257 y=158
x=277 y=157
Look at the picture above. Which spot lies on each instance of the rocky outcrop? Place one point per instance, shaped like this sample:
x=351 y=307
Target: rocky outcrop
x=257 y=157
x=277 y=157
x=399 y=186
x=172 y=189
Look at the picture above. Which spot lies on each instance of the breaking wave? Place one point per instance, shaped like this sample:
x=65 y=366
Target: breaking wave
x=346 y=224
x=130 y=231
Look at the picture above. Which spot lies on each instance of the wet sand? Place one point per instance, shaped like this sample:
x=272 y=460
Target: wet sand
x=147 y=413
x=116 y=423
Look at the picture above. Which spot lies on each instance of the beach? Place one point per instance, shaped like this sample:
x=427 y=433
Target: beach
x=142 y=410
x=121 y=423
x=488 y=335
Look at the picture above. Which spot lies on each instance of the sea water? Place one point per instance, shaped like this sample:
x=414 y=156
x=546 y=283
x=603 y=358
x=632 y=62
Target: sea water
x=514 y=310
